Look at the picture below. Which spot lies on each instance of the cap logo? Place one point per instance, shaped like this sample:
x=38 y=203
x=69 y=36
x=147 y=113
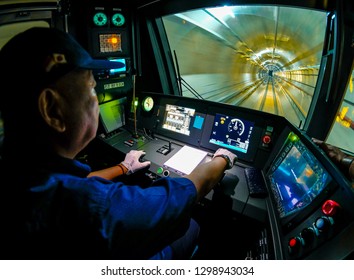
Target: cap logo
x=54 y=59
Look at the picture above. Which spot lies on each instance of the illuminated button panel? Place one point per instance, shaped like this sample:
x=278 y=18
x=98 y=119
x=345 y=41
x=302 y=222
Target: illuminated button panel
x=322 y=227
x=110 y=43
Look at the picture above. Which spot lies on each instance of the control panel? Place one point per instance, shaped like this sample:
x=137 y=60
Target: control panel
x=315 y=236
x=305 y=203
x=105 y=28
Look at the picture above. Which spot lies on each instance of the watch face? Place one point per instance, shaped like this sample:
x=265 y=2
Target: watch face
x=148 y=104
x=100 y=19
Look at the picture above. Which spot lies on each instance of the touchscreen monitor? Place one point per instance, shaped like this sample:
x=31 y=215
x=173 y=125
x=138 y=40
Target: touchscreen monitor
x=178 y=119
x=112 y=115
x=296 y=177
x=231 y=132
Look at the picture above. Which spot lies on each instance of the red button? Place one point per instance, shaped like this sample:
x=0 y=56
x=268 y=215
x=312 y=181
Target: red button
x=293 y=242
x=266 y=139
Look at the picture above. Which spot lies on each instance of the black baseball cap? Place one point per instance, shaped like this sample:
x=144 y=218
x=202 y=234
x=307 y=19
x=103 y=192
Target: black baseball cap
x=43 y=54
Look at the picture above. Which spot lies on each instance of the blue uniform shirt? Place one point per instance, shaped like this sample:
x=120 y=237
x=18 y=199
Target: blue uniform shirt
x=53 y=211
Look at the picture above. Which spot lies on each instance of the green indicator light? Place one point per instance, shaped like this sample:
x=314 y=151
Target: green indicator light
x=293 y=137
x=159 y=170
x=118 y=19
x=100 y=19
x=134 y=104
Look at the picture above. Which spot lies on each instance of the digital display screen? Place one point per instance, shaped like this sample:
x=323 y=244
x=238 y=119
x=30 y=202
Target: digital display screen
x=296 y=177
x=178 y=119
x=118 y=70
x=231 y=132
x=109 y=43
x=112 y=114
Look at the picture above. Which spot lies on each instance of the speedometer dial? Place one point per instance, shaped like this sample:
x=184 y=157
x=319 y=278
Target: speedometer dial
x=236 y=125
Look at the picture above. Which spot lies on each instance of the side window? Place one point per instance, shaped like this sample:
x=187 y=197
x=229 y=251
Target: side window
x=342 y=132
x=7 y=31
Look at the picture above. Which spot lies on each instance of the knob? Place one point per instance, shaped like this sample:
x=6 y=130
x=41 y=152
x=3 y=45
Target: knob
x=294 y=244
x=308 y=235
x=323 y=223
x=330 y=208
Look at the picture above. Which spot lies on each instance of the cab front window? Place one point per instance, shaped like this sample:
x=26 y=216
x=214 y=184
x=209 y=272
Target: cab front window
x=260 y=57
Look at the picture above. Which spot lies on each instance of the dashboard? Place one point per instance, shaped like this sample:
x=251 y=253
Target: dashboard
x=208 y=125
x=308 y=209
x=308 y=213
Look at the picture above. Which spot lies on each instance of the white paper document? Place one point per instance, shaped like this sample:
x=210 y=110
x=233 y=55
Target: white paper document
x=185 y=160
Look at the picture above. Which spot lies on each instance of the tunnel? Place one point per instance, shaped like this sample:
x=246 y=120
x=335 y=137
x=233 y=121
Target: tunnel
x=262 y=57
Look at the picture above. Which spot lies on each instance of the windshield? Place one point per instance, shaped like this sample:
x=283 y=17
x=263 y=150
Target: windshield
x=260 y=57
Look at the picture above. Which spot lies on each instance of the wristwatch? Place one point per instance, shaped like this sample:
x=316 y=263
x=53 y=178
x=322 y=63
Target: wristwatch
x=229 y=163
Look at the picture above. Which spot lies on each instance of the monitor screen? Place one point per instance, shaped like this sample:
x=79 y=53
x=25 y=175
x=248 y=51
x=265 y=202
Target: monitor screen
x=178 y=119
x=102 y=74
x=296 y=177
x=118 y=70
x=231 y=132
x=112 y=114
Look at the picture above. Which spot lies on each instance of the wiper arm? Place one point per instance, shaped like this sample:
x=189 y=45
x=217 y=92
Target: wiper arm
x=181 y=81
